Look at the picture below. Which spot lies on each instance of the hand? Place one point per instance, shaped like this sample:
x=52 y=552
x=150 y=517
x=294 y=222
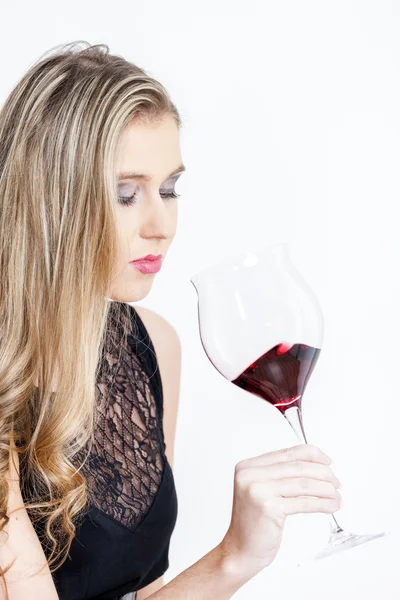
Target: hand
x=267 y=489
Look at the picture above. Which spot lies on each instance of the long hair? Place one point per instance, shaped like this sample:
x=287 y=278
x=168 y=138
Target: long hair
x=59 y=132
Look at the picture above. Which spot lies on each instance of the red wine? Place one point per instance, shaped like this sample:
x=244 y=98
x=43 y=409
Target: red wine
x=280 y=376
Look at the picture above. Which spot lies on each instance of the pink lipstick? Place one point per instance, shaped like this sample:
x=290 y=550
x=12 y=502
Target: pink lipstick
x=148 y=264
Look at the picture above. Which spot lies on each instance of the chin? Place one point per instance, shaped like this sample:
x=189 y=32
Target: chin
x=131 y=292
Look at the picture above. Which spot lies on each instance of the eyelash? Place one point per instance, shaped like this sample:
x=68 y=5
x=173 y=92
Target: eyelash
x=129 y=200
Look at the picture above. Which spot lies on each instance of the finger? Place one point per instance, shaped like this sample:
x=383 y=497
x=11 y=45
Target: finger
x=307 y=452
x=297 y=468
x=303 y=486
x=307 y=504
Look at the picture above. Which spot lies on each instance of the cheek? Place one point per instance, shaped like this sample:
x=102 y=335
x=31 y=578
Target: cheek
x=174 y=213
x=127 y=232
x=124 y=248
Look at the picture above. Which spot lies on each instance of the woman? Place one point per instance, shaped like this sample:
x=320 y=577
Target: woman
x=89 y=385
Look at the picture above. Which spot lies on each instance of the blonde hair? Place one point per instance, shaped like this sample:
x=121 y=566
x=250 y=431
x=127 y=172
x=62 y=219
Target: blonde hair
x=59 y=131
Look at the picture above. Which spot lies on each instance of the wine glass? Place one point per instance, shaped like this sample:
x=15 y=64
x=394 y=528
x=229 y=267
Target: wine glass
x=261 y=326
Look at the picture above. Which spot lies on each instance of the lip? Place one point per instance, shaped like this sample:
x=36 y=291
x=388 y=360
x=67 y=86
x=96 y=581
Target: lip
x=148 y=264
x=149 y=257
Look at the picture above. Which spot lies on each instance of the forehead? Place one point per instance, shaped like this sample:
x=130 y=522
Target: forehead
x=152 y=148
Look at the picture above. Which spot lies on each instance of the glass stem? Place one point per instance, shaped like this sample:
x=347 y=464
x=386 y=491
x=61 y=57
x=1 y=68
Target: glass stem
x=295 y=418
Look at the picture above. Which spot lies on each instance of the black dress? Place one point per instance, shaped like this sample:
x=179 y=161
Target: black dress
x=123 y=540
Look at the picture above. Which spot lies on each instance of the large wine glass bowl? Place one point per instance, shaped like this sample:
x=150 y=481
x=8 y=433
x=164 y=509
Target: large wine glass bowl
x=262 y=328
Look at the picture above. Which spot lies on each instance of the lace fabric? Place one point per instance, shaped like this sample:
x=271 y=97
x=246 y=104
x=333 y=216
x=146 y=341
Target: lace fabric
x=126 y=461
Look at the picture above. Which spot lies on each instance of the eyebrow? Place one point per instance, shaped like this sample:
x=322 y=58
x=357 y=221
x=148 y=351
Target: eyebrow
x=131 y=175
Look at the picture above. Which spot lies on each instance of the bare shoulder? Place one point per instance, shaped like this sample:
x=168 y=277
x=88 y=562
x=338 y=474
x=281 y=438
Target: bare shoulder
x=167 y=346
x=162 y=333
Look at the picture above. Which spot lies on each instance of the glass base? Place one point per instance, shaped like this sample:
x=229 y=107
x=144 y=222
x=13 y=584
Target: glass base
x=340 y=541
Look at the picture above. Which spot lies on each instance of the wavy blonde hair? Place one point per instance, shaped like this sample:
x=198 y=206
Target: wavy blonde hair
x=59 y=131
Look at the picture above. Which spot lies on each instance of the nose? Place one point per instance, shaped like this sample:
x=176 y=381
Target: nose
x=158 y=221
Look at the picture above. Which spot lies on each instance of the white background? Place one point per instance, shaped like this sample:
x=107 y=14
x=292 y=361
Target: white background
x=291 y=133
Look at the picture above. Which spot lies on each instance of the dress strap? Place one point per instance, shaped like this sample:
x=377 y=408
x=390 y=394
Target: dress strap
x=143 y=347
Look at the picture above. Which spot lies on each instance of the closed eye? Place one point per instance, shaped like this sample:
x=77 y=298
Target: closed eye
x=129 y=200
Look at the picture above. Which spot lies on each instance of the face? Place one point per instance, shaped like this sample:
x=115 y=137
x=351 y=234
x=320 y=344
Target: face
x=146 y=206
